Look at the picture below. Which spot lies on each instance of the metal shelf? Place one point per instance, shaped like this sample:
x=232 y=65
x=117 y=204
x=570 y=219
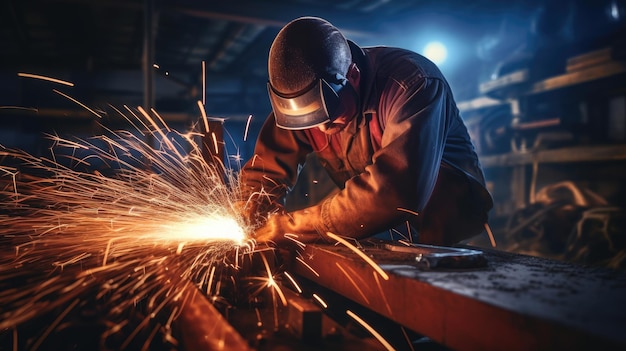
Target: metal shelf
x=561 y=155
x=606 y=70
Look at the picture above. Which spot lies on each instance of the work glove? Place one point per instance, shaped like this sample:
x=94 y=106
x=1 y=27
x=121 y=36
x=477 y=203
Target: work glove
x=254 y=212
x=302 y=226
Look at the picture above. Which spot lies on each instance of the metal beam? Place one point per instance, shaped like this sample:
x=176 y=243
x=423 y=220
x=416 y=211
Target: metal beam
x=202 y=327
x=516 y=303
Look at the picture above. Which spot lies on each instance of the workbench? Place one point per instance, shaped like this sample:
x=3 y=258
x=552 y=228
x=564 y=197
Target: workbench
x=514 y=302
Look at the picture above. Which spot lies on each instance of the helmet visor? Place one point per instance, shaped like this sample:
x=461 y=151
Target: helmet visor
x=316 y=106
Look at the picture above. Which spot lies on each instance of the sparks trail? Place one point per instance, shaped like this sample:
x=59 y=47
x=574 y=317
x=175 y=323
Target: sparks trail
x=124 y=225
x=114 y=220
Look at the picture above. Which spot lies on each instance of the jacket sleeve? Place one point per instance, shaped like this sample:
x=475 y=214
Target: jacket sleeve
x=415 y=117
x=273 y=169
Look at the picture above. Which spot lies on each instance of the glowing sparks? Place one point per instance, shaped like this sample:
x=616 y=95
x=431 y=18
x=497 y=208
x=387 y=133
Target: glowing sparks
x=50 y=79
x=294 y=238
x=215 y=146
x=161 y=120
x=245 y=133
x=360 y=253
x=408 y=211
x=77 y=102
x=369 y=328
x=356 y=286
x=119 y=220
x=293 y=282
x=130 y=223
x=271 y=283
x=21 y=108
x=215 y=228
x=203 y=82
x=299 y=259
x=320 y=300
x=490 y=234
x=382 y=293
x=205 y=119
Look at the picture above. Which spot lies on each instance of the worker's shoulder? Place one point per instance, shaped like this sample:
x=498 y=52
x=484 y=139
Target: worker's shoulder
x=400 y=63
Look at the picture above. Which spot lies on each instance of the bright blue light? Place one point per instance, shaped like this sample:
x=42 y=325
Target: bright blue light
x=436 y=52
x=614 y=11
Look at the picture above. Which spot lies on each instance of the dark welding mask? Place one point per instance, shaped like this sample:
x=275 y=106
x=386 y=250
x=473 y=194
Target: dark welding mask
x=317 y=105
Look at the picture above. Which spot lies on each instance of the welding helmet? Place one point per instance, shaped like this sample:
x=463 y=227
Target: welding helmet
x=307 y=64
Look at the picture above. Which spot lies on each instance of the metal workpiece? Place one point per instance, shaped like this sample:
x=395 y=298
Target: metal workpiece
x=431 y=256
x=259 y=313
x=202 y=327
x=305 y=319
x=512 y=302
x=299 y=324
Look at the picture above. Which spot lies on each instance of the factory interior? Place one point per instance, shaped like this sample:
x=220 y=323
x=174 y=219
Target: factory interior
x=540 y=85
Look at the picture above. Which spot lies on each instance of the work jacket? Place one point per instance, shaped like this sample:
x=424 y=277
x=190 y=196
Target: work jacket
x=406 y=155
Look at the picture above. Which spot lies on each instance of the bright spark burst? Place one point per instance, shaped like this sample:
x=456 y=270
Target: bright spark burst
x=115 y=220
x=126 y=220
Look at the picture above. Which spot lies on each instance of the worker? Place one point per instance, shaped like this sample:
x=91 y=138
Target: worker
x=383 y=123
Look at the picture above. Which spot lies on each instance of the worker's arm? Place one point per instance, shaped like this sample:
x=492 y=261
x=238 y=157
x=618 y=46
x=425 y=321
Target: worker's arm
x=273 y=169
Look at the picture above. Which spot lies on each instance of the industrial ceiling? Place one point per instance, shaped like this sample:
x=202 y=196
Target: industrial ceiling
x=99 y=45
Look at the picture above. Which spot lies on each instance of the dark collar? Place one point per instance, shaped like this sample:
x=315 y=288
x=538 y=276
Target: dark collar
x=359 y=57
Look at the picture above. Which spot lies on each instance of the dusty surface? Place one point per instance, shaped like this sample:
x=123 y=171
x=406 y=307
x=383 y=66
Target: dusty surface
x=587 y=298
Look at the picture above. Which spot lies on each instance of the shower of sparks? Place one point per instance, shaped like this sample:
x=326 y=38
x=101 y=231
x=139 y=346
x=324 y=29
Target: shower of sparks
x=114 y=220
x=127 y=220
x=50 y=79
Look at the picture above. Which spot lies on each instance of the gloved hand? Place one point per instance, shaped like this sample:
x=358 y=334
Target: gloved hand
x=303 y=226
x=254 y=212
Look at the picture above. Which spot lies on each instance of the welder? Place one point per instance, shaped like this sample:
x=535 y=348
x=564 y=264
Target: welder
x=383 y=123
